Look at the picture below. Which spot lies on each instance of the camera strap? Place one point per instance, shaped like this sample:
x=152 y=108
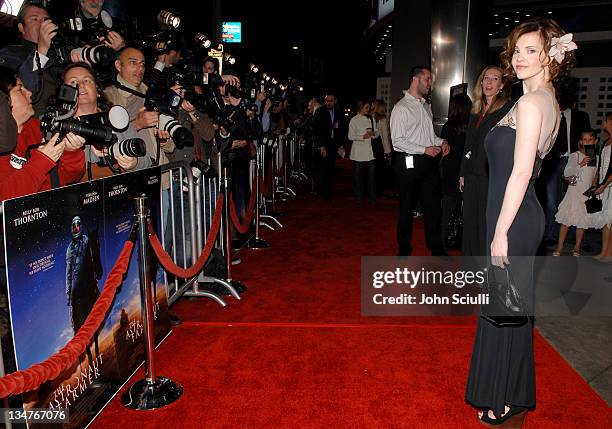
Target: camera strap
x=54 y=177
x=130 y=90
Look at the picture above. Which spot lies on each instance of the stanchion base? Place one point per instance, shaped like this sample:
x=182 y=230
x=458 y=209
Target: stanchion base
x=238 y=287
x=144 y=396
x=257 y=243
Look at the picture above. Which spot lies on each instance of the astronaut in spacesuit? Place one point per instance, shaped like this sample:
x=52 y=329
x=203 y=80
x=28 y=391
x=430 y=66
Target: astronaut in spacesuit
x=83 y=270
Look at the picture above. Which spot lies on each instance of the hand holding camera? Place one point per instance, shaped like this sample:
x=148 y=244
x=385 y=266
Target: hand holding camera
x=52 y=150
x=48 y=30
x=146 y=119
x=73 y=142
x=114 y=40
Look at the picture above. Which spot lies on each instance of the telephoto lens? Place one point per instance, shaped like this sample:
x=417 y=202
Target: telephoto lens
x=92 y=134
x=135 y=148
x=169 y=19
x=100 y=54
x=116 y=117
x=203 y=40
x=182 y=136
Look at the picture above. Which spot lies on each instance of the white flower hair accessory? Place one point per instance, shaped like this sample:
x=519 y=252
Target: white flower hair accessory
x=560 y=45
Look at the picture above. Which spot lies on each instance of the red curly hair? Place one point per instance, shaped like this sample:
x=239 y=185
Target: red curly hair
x=547 y=29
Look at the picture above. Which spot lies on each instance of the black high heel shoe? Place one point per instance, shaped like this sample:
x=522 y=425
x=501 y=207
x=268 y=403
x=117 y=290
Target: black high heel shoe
x=513 y=419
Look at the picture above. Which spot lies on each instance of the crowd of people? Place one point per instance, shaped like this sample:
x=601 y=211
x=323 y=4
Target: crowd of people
x=177 y=109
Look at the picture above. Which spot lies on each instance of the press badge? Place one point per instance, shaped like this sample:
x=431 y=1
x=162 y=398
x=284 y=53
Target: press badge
x=409 y=162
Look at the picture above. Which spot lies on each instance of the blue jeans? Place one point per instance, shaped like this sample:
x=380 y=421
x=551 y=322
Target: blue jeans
x=370 y=166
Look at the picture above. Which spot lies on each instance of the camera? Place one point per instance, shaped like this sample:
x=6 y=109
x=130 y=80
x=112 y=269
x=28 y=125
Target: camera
x=166 y=102
x=199 y=168
x=182 y=136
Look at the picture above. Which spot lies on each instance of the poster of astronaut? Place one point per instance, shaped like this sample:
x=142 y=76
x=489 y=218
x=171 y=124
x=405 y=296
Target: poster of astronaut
x=55 y=272
x=60 y=247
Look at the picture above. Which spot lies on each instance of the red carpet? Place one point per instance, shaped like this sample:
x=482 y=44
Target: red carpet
x=296 y=353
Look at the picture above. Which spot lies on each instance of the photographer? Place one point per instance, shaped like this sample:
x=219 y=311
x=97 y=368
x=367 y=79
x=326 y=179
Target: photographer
x=94 y=16
x=37 y=32
x=33 y=165
x=130 y=92
x=264 y=104
x=82 y=76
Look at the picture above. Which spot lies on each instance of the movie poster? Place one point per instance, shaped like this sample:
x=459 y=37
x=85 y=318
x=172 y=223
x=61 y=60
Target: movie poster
x=60 y=247
x=55 y=272
x=126 y=313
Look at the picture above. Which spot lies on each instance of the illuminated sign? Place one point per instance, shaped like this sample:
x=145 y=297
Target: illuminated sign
x=231 y=32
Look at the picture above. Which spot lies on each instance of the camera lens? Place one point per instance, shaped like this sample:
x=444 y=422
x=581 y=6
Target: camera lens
x=135 y=148
x=100 y=54
x=181 y=135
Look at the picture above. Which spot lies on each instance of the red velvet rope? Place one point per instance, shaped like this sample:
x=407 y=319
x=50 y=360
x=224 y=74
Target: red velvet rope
x=31 y=378
x=241 y=227
x=185 y=273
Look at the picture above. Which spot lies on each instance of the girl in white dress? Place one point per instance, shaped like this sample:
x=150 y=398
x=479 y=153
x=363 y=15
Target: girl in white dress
x=603 y=219
x=580 y=174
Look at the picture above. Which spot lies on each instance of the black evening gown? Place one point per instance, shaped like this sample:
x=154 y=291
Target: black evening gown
x=502 y=370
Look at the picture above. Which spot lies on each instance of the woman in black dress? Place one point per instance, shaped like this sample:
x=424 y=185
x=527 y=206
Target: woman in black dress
x=491 y=103
x=501 y=380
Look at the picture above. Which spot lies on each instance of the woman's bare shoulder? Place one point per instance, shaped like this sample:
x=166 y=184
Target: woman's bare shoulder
x=540 y=98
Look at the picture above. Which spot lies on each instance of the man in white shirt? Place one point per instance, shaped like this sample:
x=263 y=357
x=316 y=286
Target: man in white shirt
x=417 y=150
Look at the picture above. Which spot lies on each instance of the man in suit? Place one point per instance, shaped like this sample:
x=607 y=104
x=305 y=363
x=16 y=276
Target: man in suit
x=324 y=149
x=37 y=31
x=573 y=123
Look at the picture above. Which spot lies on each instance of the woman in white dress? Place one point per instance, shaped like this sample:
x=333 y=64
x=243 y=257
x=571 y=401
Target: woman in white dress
x=580 y=174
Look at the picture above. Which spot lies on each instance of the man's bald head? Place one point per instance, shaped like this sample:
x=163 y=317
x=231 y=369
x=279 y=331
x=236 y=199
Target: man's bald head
x=130 y=64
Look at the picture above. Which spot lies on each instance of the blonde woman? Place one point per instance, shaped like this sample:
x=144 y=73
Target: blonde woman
x=491 y=103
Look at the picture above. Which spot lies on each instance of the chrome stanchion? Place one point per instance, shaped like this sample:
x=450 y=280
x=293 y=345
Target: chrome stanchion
x=257 y=242
x=270 y=214
x=153 y=391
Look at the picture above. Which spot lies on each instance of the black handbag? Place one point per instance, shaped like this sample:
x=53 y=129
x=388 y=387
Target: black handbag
x=454 y=230
x=505 y=306
x=593 y=204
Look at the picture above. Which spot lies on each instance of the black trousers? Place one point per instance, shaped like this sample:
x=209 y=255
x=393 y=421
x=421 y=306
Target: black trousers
x=324 y=172
x=422 y=182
